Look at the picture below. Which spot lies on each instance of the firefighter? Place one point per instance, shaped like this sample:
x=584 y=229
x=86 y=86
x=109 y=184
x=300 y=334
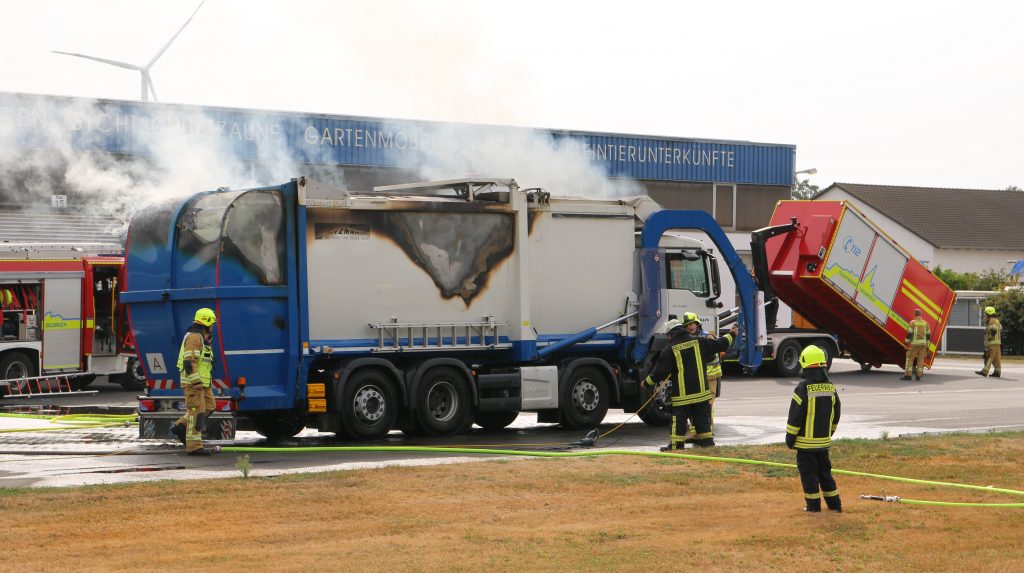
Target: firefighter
x=993 y=343
x=195 y=362
x=918 y=337
x=813 y=417
x=714 y=375
x=684 y=364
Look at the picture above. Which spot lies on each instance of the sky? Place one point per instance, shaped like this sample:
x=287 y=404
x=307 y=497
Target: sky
x=900 y=93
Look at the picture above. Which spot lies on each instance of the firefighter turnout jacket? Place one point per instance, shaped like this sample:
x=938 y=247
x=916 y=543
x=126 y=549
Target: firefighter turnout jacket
x=685 y=364
x=993 y=332
x=918 y=333
x=195 y=359
x=813 y=413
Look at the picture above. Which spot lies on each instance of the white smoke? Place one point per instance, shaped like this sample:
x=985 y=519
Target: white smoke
x=47 y=148
x=533 y=158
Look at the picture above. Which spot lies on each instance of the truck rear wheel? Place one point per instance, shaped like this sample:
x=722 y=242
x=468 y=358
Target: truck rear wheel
x=494 y=421
x=787 y=359
x=369 y=404
x=279 y=426
x=585 y=398
x=442 y=401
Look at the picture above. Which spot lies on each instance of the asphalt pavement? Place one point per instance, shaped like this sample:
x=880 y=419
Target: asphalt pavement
x=751 y=410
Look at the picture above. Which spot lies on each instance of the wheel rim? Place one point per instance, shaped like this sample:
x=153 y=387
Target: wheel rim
x=15 y=370
x=369 y=404
x=585 y=395
x=137 y=373
x=790 y=357
x=442 y=401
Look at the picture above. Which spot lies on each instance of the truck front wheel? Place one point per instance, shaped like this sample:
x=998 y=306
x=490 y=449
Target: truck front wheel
x=369 y=405
x=585 y=398
x=442 y=401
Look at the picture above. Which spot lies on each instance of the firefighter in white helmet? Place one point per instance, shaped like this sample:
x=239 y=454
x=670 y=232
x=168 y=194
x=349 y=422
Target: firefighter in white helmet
x=813 y=417
x=195 y=362
x=684 y=364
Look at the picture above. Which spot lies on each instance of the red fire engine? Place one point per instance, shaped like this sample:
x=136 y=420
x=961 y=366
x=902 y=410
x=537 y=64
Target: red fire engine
x=61 y=317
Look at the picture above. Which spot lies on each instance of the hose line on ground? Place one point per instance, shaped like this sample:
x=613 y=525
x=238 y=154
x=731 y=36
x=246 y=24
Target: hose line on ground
x=74 y=421
x=671 y=455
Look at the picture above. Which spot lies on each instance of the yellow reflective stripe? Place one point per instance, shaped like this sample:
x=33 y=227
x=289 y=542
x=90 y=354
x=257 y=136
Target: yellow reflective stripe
x=691 y=398
x=792 y=429
x=927 y=301
x=799 y=401
x=809 y=420
x=57 y=322
x=90 y=323
x=810 y=496
x=920 y=303
x=832 y=493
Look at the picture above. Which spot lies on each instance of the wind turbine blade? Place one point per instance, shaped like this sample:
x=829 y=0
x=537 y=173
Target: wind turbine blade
x=148 y=81
x=169 y=42
x=102 y=60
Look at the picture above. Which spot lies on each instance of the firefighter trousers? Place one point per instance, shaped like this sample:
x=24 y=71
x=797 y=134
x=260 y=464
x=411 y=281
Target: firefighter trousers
x=199 y=403
x=993 y=353
x=916 y=353
x=691 y=433
x=816 y=476
x=699 y=414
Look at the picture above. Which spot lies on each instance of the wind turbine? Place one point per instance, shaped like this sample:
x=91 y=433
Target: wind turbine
x=147 y=80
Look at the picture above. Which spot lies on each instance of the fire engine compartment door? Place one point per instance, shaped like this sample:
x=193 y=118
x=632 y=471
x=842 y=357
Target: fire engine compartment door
x=62 y=322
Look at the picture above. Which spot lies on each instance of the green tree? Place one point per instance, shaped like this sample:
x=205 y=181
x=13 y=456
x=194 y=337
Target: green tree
x=987 y=280
x=1014 y=188
x=1010 y=305
x=804 y=189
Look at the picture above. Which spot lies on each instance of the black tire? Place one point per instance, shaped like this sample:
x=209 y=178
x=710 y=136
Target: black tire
x=585 y=398
x=82 y=382
x=495 y=421
x=278 y=426
x=134 y=377
x=787 y=359
x=369 y=404
x=443 y=403
x=659 y=411
x=16 y=365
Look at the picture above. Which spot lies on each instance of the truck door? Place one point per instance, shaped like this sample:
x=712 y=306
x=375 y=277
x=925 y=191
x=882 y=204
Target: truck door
x=689 y=286
x=62 y=323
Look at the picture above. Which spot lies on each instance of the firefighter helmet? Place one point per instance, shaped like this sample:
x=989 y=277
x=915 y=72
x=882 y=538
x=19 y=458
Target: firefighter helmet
x=205 y=317
x=813 y=357
x=6 y=297
x=671 y=325
x=990 y=310
x=689 y=317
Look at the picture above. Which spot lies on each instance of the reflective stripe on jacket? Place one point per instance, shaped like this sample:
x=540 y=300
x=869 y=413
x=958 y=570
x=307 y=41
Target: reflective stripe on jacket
x=201 y=353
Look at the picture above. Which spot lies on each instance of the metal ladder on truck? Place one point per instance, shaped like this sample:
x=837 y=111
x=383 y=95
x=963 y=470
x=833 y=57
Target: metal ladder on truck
x=52 y=385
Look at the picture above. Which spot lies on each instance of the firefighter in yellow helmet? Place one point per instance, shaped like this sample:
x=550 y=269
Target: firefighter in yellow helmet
x=993 y=343
x=684 y=364
x=918 y=337
x=195 y=363
x=813 y=417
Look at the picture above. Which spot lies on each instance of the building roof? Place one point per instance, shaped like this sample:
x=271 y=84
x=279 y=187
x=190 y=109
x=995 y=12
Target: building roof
x=41 y=225
x=981 y=219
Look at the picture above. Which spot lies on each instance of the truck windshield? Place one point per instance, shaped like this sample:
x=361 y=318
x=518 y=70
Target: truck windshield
x=685 y=274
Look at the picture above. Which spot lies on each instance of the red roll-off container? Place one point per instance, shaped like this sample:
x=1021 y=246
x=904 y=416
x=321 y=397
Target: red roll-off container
x=849 y=278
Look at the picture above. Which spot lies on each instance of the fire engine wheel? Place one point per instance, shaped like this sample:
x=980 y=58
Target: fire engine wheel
x=659 y=411
x=494 y=421
x=278 y=426
x=442 y=401
x=787 y=359
x=369 y=405
x=16 y=365
x=134 y=377
x=585 y=398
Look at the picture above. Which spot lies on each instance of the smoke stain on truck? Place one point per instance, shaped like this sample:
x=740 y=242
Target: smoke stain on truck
x=459 y=251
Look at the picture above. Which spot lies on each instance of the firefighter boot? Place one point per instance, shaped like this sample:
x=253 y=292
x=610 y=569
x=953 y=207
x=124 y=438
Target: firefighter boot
x=201 y=452
x=705 y=443
x=177 y=431
x=834 y=504
x=995 y=374
x=905 y=377
x=813 y=505
x=981 y=373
